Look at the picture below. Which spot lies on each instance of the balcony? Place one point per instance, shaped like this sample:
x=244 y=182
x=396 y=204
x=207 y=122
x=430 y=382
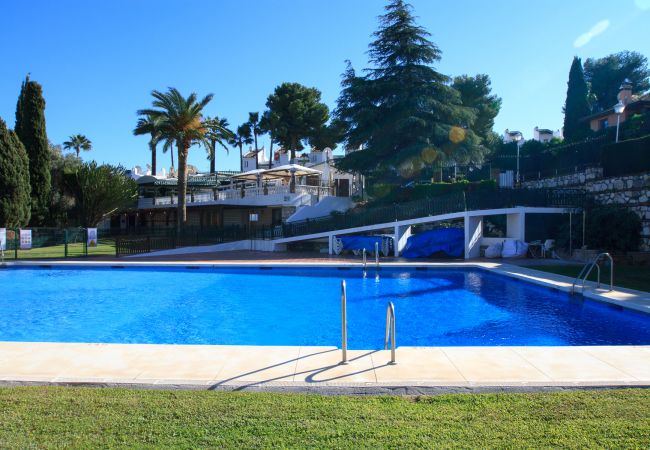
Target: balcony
x=272 y=195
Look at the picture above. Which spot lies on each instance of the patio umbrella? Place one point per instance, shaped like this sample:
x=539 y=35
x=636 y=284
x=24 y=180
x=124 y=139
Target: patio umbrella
x=292 y=170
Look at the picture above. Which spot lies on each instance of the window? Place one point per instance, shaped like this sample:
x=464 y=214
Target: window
x=604 y=124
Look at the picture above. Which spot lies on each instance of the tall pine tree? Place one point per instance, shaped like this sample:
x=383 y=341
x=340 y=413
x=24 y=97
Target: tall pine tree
x=577 y=103
x=403 y=112
x=30 y=128
x=476 y=93
x=14 y=180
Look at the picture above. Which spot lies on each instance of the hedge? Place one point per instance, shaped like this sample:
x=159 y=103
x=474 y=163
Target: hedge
x=385 y=194
x=626 y=157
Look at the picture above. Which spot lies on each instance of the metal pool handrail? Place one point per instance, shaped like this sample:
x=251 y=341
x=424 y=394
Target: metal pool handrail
x=344 y=325
x=587 y=268
x=390 y=331
x=365 y=258
x=377 y=254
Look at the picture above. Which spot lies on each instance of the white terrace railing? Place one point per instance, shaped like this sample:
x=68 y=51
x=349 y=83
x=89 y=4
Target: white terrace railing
x=235 y=194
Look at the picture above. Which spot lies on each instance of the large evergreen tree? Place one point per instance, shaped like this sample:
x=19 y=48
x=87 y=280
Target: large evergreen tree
x=402 y=111
x=299 y=113
x=30 y=129
x=15 y=201
x=605 y=76
x=476 y=93
x=577 y=103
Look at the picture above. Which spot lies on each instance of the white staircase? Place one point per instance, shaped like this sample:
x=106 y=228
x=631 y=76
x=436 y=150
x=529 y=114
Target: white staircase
x=323 y=208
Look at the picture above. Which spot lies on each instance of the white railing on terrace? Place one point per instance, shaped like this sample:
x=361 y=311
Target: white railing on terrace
x=236 y=194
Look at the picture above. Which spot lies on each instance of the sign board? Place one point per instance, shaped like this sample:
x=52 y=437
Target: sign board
x=92 y=237
x=3 y=239
x=25 y=239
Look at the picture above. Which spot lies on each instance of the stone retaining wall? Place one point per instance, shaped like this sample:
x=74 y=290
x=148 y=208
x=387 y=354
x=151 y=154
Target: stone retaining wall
x=573 y=179
x=631 y=191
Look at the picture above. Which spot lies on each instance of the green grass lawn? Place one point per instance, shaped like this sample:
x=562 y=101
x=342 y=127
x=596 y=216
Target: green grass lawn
x=105 y=248
x=633 y=277
x=46 y=417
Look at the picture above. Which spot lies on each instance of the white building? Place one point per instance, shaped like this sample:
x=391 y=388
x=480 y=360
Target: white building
x=513 y=136
x=311 y=187
x=545 y=135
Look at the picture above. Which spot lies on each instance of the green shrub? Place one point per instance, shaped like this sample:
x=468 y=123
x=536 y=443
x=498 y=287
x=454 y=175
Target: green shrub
x=385 y=194
x=613 y=229
x=626 y=157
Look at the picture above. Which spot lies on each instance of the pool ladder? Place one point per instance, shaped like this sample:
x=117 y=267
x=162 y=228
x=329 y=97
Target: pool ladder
x=365 y=257
x=390 y=331
x=587 y=268
x=390 y=328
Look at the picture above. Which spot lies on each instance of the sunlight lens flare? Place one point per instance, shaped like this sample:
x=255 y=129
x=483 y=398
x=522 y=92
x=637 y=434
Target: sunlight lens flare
x=456 y=135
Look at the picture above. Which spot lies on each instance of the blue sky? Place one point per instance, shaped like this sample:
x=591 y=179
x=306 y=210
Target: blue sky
x=99 y=60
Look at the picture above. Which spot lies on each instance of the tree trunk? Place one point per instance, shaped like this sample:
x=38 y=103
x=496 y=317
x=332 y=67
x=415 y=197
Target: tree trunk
x=255 y=138
x=171 y=152
x=292 y=183
x=152 y=146
x=294 y=144
x=241 y=157
x=213 y=156
x=271 y=152
x=182 y=185
x=77 y=149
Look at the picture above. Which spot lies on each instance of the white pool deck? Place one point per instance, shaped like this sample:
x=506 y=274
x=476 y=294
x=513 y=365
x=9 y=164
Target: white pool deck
x=260 y=367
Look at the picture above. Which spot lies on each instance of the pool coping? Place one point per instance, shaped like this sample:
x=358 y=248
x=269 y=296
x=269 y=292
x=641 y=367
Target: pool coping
x=491 y=369
x=319 y=369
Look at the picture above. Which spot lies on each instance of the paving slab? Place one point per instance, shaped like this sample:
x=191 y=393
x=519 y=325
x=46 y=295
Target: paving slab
x=572 y=365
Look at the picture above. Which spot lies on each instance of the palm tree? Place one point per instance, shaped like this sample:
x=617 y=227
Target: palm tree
x=269 y=124
x=168 y=145
x=254 y=124
x=217 y=133
x=78 y=142
x=242 y=137
x=150 y=125
x=180 y=123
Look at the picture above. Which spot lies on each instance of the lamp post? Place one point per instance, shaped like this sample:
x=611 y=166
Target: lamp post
x=618 y=109
x=518 y=139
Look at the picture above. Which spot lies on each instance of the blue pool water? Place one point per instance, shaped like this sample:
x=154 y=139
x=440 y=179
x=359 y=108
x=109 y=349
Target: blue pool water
x=286 y=306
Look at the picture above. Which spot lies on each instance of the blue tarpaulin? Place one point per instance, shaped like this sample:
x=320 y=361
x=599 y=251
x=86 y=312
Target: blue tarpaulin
x=450 y=241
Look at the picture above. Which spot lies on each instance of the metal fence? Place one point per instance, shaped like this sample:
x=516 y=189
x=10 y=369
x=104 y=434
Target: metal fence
x=57 y=243
x=167 y=239
x=450 y=203
x=72 y=242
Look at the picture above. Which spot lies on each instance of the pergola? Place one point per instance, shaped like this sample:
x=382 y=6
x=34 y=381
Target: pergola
x=288 y=171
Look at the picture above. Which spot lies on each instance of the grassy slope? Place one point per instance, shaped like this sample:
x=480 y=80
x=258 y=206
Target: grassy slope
x=633 y=277
x=93 y=418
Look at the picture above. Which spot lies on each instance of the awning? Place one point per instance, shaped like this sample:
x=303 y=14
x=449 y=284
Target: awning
x=292 y=169
x=252 y=175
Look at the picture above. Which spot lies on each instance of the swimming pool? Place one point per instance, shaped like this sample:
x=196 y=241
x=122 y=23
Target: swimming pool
x=301 y=306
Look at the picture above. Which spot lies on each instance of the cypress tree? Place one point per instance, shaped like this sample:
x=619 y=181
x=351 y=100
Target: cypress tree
x=15 y=191
x=577 y=103
x=402 y=111
x=30 y=128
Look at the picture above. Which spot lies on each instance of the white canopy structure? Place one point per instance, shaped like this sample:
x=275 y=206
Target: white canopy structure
x=253 y=175
x=289 y=170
